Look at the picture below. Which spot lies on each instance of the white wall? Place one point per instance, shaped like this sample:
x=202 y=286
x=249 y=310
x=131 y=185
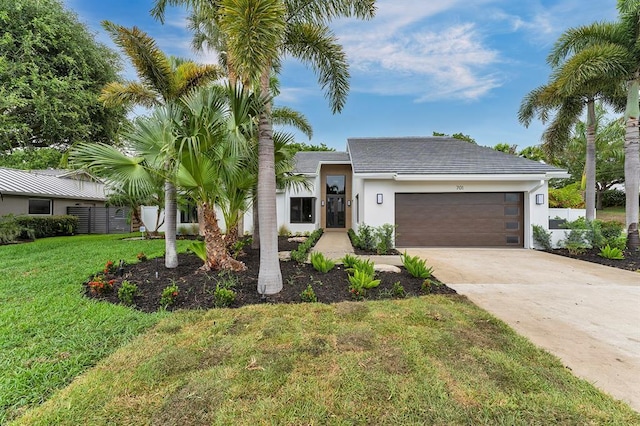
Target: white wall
x=375 y=214
x=568 y=214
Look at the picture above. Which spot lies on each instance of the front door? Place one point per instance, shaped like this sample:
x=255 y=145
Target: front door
x=336 y=212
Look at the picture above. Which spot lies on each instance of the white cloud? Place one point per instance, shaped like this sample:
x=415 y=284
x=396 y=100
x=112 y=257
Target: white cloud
x=451 y=62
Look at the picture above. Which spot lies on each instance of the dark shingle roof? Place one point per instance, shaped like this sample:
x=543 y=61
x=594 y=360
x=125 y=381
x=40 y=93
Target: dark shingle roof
x=307 y=161
x=436 y=155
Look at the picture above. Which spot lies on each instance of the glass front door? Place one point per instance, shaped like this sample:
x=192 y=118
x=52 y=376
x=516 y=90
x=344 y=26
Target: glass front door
x=335 y=209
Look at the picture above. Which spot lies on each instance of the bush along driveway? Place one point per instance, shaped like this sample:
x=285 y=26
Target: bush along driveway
x=585 y=313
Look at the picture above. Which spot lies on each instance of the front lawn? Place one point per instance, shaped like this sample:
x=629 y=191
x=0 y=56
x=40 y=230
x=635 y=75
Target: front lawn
x=49 y=332
x=429 y=360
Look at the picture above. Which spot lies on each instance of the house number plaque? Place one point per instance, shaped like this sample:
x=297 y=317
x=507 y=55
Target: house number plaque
x=460 y=187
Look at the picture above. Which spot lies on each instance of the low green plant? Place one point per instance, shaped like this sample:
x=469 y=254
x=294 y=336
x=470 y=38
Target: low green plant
x=321 y=263
x=308 y=295
x=353 y=237
x=169 y=296
x=416 y=266
x=301 y=254
x=609 y=252
x=542 y=237
x=239 y=245
x=398 y=290
x=611 y=231
x=569 y=197
x=127 y=292
x=384 y=238
x=110 y=267
x=349 y=261
x=363 y=265
x=366 y=237
x=199 y=249
x=223 y=297
x=361 y=281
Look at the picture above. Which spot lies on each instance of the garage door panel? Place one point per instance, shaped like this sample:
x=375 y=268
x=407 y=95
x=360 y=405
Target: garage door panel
x=459 y=220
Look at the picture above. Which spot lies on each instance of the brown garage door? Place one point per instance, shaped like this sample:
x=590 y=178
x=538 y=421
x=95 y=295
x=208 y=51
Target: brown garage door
x=460 y=220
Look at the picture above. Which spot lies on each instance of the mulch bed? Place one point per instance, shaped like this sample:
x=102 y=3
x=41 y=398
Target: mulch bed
x=630 y=262
x=196 y=287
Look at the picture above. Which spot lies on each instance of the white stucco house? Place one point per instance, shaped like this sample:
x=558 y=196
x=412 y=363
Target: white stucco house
x=437 y=191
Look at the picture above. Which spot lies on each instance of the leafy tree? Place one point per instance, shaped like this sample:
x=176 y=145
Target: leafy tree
x=459 y=136
x=506 y=148
x=301 y=146
x=51 y=74
x=32 y=159
x=256 y=35
x=534 y=153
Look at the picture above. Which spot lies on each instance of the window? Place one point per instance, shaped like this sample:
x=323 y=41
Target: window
x=40 y=206
x=302 y=210
x=189 y=214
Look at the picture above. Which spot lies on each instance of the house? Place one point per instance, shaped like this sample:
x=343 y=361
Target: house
x=437 y=191
x=47 y=192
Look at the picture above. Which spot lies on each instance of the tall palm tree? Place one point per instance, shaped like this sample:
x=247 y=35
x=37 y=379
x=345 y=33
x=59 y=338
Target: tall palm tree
x=163 y=81
x=568 y=103
x=612 y=50
x=257 y=33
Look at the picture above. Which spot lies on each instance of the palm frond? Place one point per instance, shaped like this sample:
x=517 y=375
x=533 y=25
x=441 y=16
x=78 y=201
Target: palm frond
x=577 y=39
x=116 y=94
x=325 y=11
x=285 y=116
x=317 y=47
x=152 y=65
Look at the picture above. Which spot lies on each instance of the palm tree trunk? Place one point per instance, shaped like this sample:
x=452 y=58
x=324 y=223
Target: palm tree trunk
x=218 y=257
x=632 y=180
x=269 y=275
x=170 y=214
x=590 y=163
x=255 y=242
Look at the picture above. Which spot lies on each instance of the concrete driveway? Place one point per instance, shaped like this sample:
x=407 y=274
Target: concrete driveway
x=586 y=314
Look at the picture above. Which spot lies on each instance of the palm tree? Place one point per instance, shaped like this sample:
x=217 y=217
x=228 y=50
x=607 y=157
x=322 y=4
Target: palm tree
x=256 y=34
x=163 y=80
x=569 y=102
x=612 y=50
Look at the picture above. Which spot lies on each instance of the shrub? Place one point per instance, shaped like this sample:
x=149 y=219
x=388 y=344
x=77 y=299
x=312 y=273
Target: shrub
x=49 y=226
x=321 y=263
x=613 y=198
x=223 y=297
x=366 y=238
x=353 y=237
x=426 y=286
x=98 y=285
x=611 y=231
x=542 y=237
x=302 y=252
x=360 y=282
x=384 y=238
x=415 y=266
x=308 y=295
x=127 y=292
x=609 y=252
x=169 y=296
x=10 y=229
x=569 y=197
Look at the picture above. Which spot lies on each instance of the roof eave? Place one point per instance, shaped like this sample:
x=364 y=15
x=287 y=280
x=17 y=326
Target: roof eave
x=481 y=177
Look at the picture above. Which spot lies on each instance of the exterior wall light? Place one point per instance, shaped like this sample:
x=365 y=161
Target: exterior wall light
x=539 y=199
x=379 y=198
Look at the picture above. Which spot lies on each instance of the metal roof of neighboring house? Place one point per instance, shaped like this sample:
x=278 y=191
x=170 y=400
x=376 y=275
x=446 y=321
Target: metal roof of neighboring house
x=307 y=161
x=436 y=155
x=38 y=184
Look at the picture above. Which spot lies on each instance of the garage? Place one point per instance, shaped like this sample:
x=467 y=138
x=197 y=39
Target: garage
x=483 y=219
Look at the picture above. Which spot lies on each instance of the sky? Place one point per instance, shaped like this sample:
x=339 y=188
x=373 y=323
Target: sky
x=420 y=66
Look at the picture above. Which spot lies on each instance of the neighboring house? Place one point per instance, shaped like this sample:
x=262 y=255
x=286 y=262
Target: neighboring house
x=437 y=191
x=47 y=192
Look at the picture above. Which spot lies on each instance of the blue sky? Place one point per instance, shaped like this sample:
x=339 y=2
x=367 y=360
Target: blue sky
x=420 y=66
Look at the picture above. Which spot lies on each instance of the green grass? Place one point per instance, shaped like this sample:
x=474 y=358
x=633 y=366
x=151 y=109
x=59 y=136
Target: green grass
x=430 y=360
x=49 y=332
x=616 y=214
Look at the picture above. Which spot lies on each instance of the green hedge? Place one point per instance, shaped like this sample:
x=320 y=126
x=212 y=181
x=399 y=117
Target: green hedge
x=49 y=226
x=301 y=254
